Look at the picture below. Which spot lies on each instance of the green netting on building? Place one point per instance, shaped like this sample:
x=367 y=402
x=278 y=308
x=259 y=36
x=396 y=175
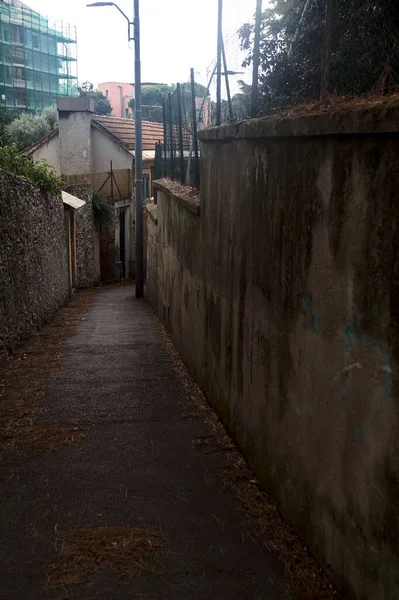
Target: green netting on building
x=37 y=59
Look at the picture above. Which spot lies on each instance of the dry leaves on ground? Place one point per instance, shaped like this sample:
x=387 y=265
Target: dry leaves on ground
x=306 y=581
x=84 y=553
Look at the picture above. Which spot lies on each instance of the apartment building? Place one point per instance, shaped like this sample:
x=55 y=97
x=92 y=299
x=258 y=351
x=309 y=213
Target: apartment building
x=37 y=59
x=119 y=94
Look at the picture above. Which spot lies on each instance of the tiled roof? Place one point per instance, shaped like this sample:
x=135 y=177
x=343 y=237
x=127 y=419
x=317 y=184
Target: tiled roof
x=124 y=129
x=40 y=142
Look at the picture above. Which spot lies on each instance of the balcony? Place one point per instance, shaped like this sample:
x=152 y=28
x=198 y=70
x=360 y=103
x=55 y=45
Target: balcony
x=19 y=83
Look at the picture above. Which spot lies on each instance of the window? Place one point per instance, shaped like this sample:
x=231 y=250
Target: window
x=19 y=73
x=127 y=113
x=7 y=55
x=53 y=84
x=28 y=38
x=106 y=93
x=28 y=58
x=53 y=65
x=35 y=41
x=17 y=34
x=18 y=55
x=46 y=82
x=20 y=98
x=31 y=99
x=37 y=60
x=52 y=46
x=29 y=77
x=38 y=101
x=6 y=35
x=44 y=43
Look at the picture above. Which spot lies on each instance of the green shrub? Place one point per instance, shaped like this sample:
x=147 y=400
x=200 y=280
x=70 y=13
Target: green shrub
x=104 y=212
x=39 y=173
x=28 y=129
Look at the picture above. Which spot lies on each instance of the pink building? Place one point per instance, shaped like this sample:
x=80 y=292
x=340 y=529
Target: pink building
x=119 y=94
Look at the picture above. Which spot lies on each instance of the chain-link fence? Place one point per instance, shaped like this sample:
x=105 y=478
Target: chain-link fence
x=295 y=51
x=178 y=157
x=310 y=50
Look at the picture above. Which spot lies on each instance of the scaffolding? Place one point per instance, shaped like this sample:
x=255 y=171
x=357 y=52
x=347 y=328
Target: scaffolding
x=38 y=59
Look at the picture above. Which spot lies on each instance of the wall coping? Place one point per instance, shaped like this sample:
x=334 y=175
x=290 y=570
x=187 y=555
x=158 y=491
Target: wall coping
x=187 y=197
x=152 y=211
x=355 y=118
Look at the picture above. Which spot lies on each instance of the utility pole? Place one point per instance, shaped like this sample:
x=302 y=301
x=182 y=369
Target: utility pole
x=219 y=64
x=325 y=79
x=226 y=75
x=138 y=155
x=256 y=61
x=138 y=134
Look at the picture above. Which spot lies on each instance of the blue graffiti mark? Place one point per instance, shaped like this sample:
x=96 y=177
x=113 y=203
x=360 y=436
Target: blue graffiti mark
x=348 y=338
x=347 y=350
x=355 y=333
x=311 y=312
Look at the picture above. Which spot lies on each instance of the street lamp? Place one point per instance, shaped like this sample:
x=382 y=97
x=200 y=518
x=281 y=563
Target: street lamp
x=138 y=126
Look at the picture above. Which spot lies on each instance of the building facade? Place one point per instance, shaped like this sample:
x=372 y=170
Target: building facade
x=119 y=94
x=37 y=59
x=100 y=150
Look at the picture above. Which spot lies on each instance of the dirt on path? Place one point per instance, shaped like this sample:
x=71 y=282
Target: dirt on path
x=118 y=480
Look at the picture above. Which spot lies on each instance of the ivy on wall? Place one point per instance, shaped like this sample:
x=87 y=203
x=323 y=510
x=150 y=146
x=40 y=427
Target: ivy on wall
x=39 y=173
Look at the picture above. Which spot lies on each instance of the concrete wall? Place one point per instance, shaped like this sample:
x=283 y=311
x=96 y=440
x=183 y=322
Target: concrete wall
x=76 y=148
x=50 y=152
x=105 y=150
x=282 y=297
x=87 y=238
x=33 y=260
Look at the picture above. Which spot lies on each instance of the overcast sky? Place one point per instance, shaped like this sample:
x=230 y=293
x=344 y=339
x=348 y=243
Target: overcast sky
x=175 y=35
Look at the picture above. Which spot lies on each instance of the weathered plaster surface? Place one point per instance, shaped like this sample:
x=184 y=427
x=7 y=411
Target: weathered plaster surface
x=282 y=297
x=106 y=150
x=50 y=152
x=76 y=146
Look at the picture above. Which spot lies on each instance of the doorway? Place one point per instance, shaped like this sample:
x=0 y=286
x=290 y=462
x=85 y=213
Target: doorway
x=122 y=242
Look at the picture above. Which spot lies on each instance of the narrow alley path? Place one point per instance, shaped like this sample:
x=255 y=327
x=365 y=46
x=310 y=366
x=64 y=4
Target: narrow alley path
x=109 y=487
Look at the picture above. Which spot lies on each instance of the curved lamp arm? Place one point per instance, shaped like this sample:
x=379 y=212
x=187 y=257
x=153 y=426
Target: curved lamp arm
x=130 y=23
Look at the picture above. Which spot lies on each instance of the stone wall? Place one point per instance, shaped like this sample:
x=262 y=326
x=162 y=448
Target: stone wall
x=282 y=297
x=33 y=260
x=87 y=239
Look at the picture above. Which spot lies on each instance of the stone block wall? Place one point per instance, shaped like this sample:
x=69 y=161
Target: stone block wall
x=33 y=260
x=87 y=242
x=282 y=298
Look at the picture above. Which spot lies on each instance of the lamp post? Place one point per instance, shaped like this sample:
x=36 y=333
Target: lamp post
x=134 y=34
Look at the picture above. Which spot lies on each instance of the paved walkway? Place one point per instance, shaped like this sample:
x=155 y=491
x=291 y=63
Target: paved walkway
x=123 y=459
